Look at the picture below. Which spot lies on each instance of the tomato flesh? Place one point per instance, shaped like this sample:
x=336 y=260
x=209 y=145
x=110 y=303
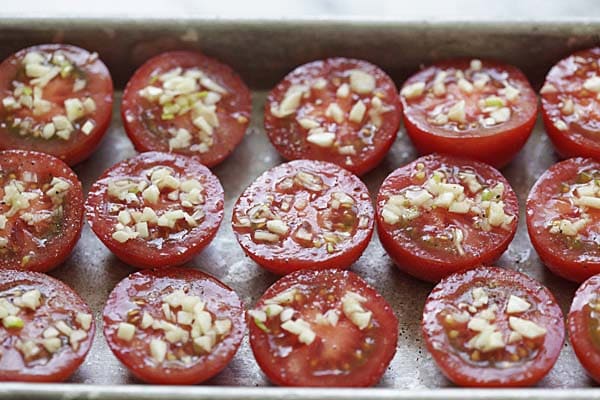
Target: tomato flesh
x=189 y=297
x=482 y=110
x=492 y=327
x=41 y=212
x=339 y=351
x=56 y=99
x=187 y=91
x=562 y=224
x=341 y=110
x=304 y=215
x=570 y=105
x=583 y=325
x=46 y=330
x=156 y=209
x=441 y=214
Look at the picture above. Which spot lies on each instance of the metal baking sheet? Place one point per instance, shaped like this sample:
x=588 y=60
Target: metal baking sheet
x=263 y=51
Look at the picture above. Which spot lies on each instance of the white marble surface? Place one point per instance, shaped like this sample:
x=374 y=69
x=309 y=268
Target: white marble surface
x=277 y=9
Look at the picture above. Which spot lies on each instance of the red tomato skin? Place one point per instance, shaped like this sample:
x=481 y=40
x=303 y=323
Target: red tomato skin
x=567 y=146
x=282 y=267
x=195 y=374
x=364 y=377
x=80 y=146
x=302 y=258
x=49 y=286
x=568 y=143
x=497 y=148
x=462 y=374
x=58 y=249
x=578 y=326
x=240 y=105
x=292 y=150
x=576 y=270
x=143 y=256
x=427 y=268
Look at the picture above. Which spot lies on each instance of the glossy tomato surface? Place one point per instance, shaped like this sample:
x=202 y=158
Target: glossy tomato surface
x=483 y=110
x=493 y=327
x=156 y=209
x=570 y=105
x=41 y=213
x=55 y=99
x=341 y=110
x=440 y=214
x=582 y=324
x=186 y=103
x=323 y=328
x=563 y=216
x=304 y=215
x=185 y=326
x=46 y=331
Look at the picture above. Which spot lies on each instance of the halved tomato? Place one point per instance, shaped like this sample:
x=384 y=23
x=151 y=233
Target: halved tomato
x=323 y=328
x=56 y=99
x=304 y=215
x=41 y=210
x=493 y=327
x=563 y=218
x=173 y=326
x=440 y=214
x=341 y=110
x=46 y=330
x=156 y=209
x=187 y=103
x=484 y=110
x=583 y=323
x=570 y=105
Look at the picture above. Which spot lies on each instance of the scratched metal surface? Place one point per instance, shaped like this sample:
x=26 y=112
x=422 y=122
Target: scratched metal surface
x=263 y=52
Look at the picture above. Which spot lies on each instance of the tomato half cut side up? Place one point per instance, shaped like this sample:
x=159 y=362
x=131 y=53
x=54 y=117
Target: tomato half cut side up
x=173 y=326
x=187 y=103
x=493 y=327
x=323 y=328
x=563 y=218
x=156 y=209
x=441 y=214
x=341 y=110
x=304 y=215
x=570 y=99
x=582 y=324
x=484 y=110
x=46 y=330
x=55 y=99
x=41 y=212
